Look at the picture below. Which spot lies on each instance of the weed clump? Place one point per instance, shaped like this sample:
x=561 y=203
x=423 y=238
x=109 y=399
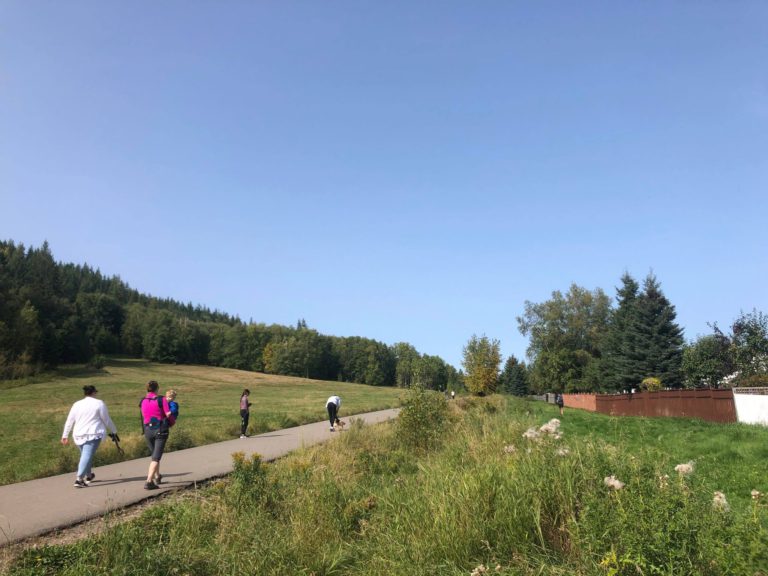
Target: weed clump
x=422 y=420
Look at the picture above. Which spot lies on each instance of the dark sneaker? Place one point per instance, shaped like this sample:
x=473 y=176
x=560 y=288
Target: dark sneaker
x=158 y=479
x=80 y=483
x=150 y=486
x=90 y=477
x=333 y=429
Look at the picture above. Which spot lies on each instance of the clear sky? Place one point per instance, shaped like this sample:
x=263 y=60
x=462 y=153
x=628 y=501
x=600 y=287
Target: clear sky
x=400 y=170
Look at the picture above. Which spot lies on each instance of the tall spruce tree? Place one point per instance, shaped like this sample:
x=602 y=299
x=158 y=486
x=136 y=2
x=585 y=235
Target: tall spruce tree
x=620 y=367
x=514 y=377
x=659 y=339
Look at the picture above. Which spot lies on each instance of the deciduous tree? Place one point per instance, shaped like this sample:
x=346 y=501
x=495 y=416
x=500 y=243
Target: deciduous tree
x=481 y=365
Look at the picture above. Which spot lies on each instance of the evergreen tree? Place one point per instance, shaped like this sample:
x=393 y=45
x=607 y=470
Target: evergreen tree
x=514 y=377
x=659 y=340
x=620 y=368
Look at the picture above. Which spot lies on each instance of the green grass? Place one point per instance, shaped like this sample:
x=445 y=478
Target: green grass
x=484 y=500
x=32 y=415
x=733 y=457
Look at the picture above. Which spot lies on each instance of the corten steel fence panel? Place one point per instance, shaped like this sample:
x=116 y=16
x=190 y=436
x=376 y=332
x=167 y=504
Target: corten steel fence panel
x=711 y=405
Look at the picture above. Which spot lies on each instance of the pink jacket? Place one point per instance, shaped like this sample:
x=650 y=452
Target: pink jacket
x=150 y=409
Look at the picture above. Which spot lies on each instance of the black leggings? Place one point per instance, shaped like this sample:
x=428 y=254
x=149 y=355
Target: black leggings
x=244 y=416
x=332 y=410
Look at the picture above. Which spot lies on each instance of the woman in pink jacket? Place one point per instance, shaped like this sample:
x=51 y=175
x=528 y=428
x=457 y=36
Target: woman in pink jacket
x=157 y=419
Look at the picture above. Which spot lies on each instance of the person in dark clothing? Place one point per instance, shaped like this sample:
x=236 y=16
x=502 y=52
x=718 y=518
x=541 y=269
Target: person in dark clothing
x=245 y=413
x=559 y=401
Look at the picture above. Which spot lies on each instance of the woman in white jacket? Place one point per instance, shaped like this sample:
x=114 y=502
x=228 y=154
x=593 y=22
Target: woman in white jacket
x=88 y=421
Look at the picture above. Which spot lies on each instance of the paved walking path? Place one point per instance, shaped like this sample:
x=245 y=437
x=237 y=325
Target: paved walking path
x=39 y=506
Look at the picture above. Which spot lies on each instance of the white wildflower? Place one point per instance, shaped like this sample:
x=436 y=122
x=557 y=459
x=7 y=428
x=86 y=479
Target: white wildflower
x=562 y=452
x=531 y=434
x=551 y=426
x=664 y=481
x=719 y=502
x=684 y=469
x=756 y=494
x=509 y=449
x=613 y=483
x=479 y=570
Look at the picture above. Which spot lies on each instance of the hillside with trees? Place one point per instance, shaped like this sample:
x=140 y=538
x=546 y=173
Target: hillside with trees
x=57 y=313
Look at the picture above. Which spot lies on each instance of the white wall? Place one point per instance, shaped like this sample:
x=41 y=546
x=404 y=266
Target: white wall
x=751 y=408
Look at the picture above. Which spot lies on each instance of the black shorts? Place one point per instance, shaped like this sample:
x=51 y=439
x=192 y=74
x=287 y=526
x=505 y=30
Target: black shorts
x=156 y=440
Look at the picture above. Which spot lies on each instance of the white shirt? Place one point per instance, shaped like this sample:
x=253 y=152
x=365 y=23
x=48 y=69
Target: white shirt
x=335 y=399
x=90 y=419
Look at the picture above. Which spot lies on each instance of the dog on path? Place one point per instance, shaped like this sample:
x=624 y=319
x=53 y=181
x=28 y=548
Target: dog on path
x=339 y=424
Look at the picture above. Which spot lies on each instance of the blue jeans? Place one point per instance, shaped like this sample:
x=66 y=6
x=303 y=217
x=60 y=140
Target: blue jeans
x=87 y=452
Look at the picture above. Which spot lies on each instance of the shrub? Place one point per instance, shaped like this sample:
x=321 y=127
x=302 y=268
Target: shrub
x=249 y=479
x=651 y=384
x=422 y=419
x=97 y=362
x=754 y=381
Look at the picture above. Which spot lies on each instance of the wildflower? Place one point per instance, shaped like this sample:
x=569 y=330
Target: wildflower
x=531 y=434
x=551 y=426
x=509 y=449
x=664 y=481
x=498 y=567
x=613 y=483
x=720 y=503
x=756 y=494
x=479 y=570
x=562 y=452
x=684 y=469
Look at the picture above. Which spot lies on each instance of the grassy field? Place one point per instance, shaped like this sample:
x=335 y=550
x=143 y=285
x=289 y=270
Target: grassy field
x=483 y=499
x=32 y=416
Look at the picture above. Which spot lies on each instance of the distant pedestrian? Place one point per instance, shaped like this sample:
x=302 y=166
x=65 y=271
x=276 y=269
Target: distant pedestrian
x=333 y=404
x=170 y=395
x=559 y=401
x=157 y=420
x=245 y=413
x=88 y=421
x=453 y=394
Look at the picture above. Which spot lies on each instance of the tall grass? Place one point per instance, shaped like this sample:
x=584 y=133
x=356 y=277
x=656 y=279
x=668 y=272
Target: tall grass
x=495 y=497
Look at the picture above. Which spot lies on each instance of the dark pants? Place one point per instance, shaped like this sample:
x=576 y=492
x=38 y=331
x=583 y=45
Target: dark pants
x=332 y=410
x=244 y=417
x=156 y=440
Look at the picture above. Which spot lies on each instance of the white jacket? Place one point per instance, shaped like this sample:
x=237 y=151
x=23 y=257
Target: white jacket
x=335 y=399
x=88 y=419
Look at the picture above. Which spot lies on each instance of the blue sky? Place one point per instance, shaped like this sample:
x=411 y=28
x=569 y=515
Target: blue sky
x=404 y=171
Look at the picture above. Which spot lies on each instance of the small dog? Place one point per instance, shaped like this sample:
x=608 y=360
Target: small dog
x=339 y=424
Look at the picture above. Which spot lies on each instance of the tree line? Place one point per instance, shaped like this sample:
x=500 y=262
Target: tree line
x=581 y=341
x=53 y=313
